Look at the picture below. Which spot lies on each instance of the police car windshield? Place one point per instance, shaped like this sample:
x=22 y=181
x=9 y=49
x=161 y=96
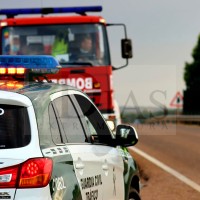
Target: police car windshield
x=75 y=44
x=14 y=127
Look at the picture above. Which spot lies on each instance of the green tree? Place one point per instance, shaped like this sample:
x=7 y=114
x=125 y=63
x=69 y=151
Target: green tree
x=192 y=70
x=191 y=105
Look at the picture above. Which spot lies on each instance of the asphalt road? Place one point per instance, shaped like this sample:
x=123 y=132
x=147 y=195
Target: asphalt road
x=177 y=146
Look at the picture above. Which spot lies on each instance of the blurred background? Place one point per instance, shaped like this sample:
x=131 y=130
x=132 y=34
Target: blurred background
x=163 y=33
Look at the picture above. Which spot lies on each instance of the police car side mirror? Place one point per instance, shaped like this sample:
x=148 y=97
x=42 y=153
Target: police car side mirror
x=126 y=48
x=126 y=136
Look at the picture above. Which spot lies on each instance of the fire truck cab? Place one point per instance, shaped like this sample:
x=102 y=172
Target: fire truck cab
x=79 y=42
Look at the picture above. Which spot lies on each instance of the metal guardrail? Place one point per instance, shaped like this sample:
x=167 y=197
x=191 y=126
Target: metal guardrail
x=175 y=119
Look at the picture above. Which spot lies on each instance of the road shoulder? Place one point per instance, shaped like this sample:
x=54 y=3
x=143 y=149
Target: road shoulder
x=158 y=184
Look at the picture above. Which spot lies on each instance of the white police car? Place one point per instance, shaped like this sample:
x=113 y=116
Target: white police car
x=55 y=144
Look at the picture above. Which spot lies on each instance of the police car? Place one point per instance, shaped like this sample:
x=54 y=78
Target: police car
x=55 y=143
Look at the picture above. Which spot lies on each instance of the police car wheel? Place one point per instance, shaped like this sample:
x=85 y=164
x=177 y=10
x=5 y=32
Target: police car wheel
x=134 y=195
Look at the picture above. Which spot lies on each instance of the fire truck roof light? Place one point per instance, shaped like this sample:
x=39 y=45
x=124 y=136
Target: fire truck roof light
x=26 y=11
x=28 y=62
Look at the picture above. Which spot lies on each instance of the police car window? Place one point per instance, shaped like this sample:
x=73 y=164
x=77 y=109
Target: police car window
x=14 y=127
x=55 y=132
x=90 y=126
x=70 y=120
x=94 y=120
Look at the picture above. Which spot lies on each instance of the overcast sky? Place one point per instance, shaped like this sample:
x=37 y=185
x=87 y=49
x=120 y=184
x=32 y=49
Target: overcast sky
x=163 y=34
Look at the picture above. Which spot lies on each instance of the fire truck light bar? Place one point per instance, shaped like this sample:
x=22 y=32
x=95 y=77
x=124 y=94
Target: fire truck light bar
x=37 y=64
x=27 y=11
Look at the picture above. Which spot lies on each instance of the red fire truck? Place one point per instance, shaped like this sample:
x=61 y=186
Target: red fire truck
x=48 y=31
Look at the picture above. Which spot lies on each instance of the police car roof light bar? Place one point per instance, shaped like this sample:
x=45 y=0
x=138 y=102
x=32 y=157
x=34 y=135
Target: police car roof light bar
x=28 y=62
x=26 y=11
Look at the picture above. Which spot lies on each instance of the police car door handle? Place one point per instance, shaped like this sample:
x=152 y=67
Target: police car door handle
x=79 y=166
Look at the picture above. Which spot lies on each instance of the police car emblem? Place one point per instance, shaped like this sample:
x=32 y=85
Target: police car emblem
x=5 y=195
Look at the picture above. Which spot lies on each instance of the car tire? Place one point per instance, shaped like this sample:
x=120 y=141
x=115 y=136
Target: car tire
x=133 y=194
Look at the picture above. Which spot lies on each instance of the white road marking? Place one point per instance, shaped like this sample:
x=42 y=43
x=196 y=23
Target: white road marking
x=168 y=169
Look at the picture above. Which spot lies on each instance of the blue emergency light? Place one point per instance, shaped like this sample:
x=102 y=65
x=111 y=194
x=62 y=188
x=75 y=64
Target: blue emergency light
x=27 y=11
x=17 y=64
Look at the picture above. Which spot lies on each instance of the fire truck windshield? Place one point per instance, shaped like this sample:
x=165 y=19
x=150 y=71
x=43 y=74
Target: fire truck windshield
x=71 y=44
